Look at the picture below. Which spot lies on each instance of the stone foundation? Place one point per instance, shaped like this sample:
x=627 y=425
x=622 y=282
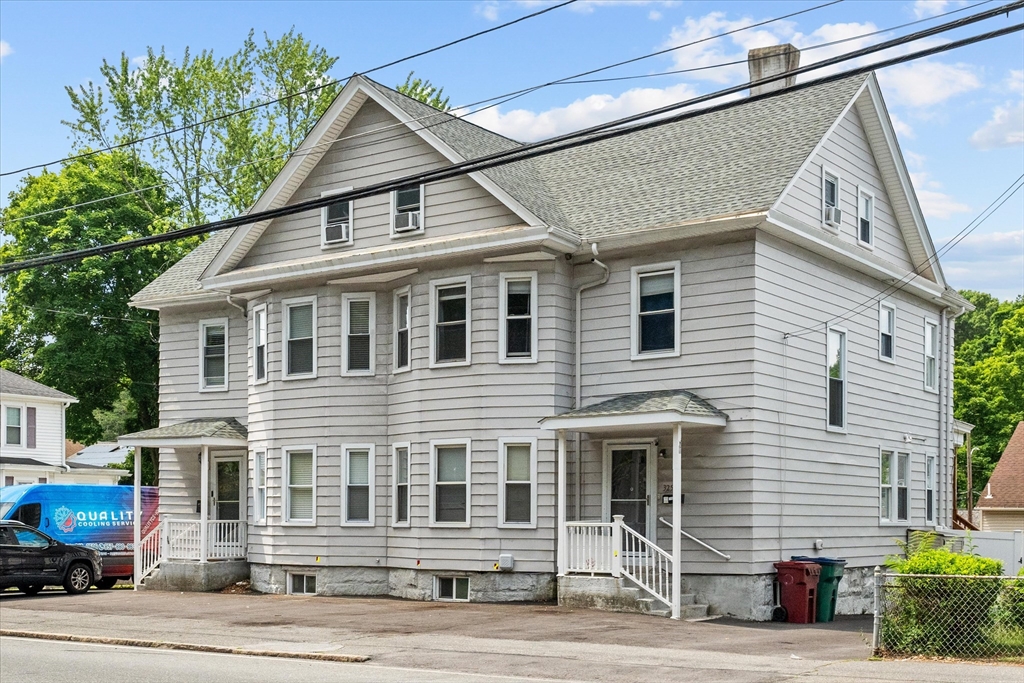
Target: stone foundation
x=411 y=584
x=857 y=591
x=197 y=576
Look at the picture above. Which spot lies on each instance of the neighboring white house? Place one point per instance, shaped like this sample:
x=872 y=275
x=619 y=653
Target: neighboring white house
x=664 y=360
x=32 y=431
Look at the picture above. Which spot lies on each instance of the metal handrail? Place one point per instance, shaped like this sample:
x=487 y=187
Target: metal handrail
x=694 y=539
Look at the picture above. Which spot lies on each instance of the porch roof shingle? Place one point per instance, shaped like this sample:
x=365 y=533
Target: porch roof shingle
x=200 y=431
x=664 y=406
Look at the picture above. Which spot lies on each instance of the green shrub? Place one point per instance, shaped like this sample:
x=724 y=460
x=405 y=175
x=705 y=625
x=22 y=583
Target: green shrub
x=1011 y=603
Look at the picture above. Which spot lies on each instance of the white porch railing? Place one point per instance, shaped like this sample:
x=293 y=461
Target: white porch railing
x=149 y=552
x=589 y=549
x=225 y=540
x=646 y=564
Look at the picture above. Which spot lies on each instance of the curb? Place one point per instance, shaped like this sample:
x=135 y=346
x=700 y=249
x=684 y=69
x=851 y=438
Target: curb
x=192 y=647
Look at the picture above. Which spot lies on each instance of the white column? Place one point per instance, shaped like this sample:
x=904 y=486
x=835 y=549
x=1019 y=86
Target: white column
x=677 y=515
x=562 y=536
x=204 y=503
x=136 y=518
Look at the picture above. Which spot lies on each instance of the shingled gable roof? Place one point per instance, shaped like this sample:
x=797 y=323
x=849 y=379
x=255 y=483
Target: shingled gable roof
x=1006 y=485
x=724 y=163
x=14 y=384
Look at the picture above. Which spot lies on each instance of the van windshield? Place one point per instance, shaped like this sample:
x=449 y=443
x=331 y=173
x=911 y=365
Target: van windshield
x=5 y=508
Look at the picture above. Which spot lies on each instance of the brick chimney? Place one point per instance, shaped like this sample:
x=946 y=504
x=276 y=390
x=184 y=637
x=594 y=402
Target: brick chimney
x=764 y=62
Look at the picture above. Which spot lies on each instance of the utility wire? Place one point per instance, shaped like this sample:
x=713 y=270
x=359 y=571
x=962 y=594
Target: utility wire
x=590 y=135
x=507 y=97
x=902 y=283
x=291 y=96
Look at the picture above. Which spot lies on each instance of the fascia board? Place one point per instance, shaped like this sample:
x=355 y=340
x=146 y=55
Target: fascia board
x=28 y=398
x=176 y=442
x=610 y=422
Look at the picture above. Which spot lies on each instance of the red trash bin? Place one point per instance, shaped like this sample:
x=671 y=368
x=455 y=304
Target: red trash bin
x=798 y=583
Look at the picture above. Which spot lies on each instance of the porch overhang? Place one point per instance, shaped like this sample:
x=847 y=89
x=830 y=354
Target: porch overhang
x=642 y=411
x=211 y=432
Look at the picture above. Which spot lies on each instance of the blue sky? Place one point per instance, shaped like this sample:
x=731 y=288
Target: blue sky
x=959 y=116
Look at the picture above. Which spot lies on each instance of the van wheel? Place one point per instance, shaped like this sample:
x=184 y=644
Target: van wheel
x=106 y=583
x=78 y=579
x=30 y=590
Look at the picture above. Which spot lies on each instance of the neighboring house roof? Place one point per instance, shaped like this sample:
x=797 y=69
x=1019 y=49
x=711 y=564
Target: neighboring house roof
x=207 y=430
x=719 y=164
x=1006 y=485
x=8 y=460
x=86 y=466
x=71 y=447
x=13 y=383
x=99 y=454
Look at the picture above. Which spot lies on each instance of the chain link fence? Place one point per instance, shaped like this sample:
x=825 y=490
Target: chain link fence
x=967 y=617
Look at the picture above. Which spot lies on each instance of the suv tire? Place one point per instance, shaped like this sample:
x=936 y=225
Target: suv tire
x=30 y=590
x=78 y=579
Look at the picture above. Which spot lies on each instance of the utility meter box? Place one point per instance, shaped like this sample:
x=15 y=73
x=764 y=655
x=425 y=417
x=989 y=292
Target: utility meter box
x=505 y=562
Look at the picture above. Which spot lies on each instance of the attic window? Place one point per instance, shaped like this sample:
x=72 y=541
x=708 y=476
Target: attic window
x=865 y=217
x=407 y=210
x=336 y=222
x=832 y=214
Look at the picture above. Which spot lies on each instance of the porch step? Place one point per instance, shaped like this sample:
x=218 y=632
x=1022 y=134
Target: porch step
x=688 y=609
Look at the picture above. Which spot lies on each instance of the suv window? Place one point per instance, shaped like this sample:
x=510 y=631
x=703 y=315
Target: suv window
x=6 y=537
x=30 y=513
x=30 y=538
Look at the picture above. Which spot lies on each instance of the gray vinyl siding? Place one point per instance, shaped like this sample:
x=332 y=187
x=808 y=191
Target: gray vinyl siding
x=382 y=149
x=846 y=151
x=828 y=486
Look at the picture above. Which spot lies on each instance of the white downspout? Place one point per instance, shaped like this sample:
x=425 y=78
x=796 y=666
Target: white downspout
x=578 y=390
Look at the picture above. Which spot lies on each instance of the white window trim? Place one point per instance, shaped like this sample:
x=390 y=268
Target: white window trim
x=203 y=324
x=394 y=485
x=262 y=308
x=453 y=577
x=3 y=425
x=423 y=214
x=894 y=455
x=346 y=319
x=371 y=474
x=303 y=574
x=846 y=381
x=826 y=171
x=324 y=244
x=401 y=291
x=861 y=192
x=286 y=305
x=285 y=492
x=259 y=515
x=634 y=309
x=892 y=307
x=935 y=354
x=934 y=459
x=468 y=444
x=465 y=280
x=503 y=471
x=503 y=280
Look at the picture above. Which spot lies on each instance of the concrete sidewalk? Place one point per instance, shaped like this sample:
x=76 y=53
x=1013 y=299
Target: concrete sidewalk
x=538 y=641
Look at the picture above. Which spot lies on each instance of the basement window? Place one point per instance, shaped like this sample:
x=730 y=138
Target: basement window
x=302 y=584
x=451 y=588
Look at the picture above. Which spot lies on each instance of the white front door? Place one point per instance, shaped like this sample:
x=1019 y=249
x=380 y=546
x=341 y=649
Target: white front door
x=629 y=484
x=227 y=488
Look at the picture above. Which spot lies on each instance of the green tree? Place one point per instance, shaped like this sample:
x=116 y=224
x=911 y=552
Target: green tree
x=424 y=91
x=69 y=325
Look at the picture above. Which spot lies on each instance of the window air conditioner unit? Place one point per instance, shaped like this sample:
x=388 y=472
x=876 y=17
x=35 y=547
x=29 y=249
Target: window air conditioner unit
x=833 y=215
x=337 y=231
x=407 y=221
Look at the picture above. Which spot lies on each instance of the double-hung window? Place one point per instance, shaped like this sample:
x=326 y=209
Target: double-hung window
x=359 y=312
x=12 y=425
x=403 y=318
x=300 y=337
x=894 y=490
x=259 y=344
x=259 y=478
x=831 y=214
x=654 y=310
x=836 y=366
x=886 y=331
x=931 y=364
x=517 y=340
x=407 y=210
x=517 y=486
x=357 y=506
x=865 y=218
x=400 y=493
x=336 y=222
x=300 y=489
x=213 y=363
x=450 y=322
x=931 y=488
x=449 y=483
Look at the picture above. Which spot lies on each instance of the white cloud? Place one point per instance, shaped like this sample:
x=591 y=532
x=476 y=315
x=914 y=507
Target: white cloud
x=526 y=125
x=1004 y=129
x=901 y=127
x=1015 y=81
x=914 y=159
x=927 y=83
x=488 y=10
x=654 y=15
x=934 y=203
x=491 y=9
x=930 y=8
x=5 y=49
x=992 y=262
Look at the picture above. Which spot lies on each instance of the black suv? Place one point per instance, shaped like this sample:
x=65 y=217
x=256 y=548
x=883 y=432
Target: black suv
x=29 y=559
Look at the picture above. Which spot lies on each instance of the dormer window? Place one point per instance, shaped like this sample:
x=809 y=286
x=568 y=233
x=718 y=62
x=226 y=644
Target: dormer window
x=832 y=214
x=407 y=210
x=336 y=222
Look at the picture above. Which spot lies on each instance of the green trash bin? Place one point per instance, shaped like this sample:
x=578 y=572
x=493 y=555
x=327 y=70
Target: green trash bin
x=828 y=584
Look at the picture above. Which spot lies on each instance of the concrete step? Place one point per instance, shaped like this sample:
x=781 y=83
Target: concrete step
x=656 y=607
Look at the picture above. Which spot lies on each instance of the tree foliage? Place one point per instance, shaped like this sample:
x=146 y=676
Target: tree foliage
x=68 y=325
x=988 y=384
x=424 y=91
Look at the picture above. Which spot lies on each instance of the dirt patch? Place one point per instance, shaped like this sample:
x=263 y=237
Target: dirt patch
x=240 y=588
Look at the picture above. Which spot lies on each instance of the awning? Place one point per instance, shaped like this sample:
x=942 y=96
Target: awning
x=643 y=410
x=207 y=431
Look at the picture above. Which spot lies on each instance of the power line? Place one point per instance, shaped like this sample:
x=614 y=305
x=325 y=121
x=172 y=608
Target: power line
x=507 y=97
x=293 y=95
x=590 y=135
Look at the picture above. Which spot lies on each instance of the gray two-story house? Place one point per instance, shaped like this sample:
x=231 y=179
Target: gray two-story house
x=634 y=374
